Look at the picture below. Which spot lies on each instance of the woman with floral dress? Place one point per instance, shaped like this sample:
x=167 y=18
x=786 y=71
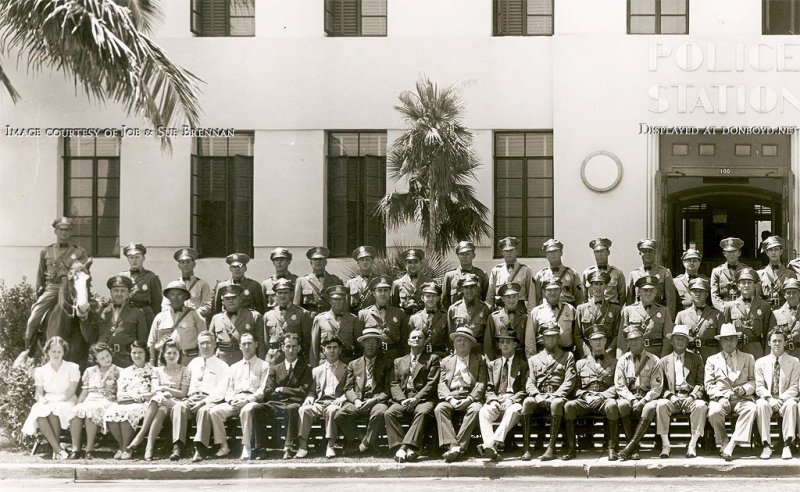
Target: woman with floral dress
x=56 y=382
x=133 y=394
x=99 y=391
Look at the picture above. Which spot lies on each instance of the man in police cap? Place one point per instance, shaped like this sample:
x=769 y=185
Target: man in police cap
x=615 y=288
x=177 y=323
x=551 y=311
x=406 y=290
x=146 y=292
x=55 y=262
x=336 y=322
x=309 y=288
x=281 y=258
x=200 y=295
x=665 y=289
x=432 y=321
x=596 y=312
x=595 y=392
x=358 y=286
x=120 y=323
x=787 y=317
x=511 y=270
x=465 y=251
x=682 y=374
x=723 y=278
x=470 y=312
x=391 y=321
x=772 y=276
x=751 y=315
x=691 y=259
x=703 y=320
x=653 y=320
x=506 y=321
x=251 y=295
x=235 y=320
x=286 y=317
x=571 y=289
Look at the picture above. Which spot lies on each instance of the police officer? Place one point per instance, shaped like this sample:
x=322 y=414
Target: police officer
x=772 y=276
x=597 y=312
x=358 y=286
x=654 y=320
x=55 y=262
x=787 y=318
x=665 y=294
x=510 y=271
x=703 y=320
x=178 y=323
x=470 y=312
x=406 y=293
x=235 y=320
x=432 y=321
x=506 y=322
x=336 y=322
x=200 y=295
x=120 y=323
x=615 y=288
x=723 y=277
x=551 y=310
x=465 y=251
x=691 y=259
x=281 y=258
x=309 y=288
x=146 y=292
x=749 y=314
x=571 y=289
x=390 y=320
x=251 y=295
x=286 y=317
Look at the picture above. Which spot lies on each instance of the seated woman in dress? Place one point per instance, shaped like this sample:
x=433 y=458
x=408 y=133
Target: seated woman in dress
x=170 y=384
x=133 y=395
x=56 y=382
x=99 y=391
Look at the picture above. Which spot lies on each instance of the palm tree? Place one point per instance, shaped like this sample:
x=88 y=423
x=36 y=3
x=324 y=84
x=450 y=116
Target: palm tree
x=105 y=48
x=435 y=156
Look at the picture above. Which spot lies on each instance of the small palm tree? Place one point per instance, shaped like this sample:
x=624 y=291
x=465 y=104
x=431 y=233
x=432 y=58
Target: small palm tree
x=435 y=156
x=392 y=265
x=105 y=48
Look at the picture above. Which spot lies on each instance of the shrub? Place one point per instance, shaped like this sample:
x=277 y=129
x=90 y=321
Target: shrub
x=17 y=390
x=434 y=266
x=15 y=307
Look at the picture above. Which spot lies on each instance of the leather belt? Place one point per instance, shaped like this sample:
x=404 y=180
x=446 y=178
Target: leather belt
x=653 y=342
x=790 y=346
x=708 y=342
x=191 y=352
x=745 y=339
x=681 y=393
x=594 y=387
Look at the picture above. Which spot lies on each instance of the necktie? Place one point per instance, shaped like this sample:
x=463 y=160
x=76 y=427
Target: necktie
x=369 y=385
x=776 y=379
x=680 y=371
x=410 y=382
x=503 y=387
x=290 y=373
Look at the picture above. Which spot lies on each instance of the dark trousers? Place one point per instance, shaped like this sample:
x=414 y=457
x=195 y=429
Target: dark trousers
x=394 y=432
x=264 y=414
x=346 y=416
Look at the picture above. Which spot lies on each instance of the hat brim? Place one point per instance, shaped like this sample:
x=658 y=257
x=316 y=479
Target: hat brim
x=468 y=337
x=685 y=335
x=551 y=332
x=597 y=336
x=185 y=291
x=720 y=337
x=362 y=338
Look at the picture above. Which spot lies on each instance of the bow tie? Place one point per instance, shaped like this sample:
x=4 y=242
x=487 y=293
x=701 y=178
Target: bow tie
x=510 y=267
x=282 y=308
x=135 y=271
x=747 y=299
x=731 y=267
x=602 y=267
x=63 y=245
x=117 y=306
x=430 y=312
x=692 y=277
x=600 y=357
x=187 y=279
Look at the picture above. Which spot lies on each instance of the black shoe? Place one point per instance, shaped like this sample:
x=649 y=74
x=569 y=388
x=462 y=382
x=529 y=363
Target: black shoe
x=89 y=455
x=75 y=455
x=177 y=451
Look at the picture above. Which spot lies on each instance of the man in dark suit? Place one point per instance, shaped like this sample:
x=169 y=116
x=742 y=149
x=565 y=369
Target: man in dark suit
x=413 y=389
x=462 y=388
x=366 y=390
x=288 y=383
x=682 y=373
x=505 y=391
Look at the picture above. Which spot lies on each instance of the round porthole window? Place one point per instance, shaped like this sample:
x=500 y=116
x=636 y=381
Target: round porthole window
x=601 y=171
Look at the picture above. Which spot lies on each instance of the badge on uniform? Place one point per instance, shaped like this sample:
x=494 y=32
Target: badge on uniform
x=246 y=292
x=247 y=326
x=294 y=317
x=658 y=315
x=144 y=287
x=74 y=256
x=610 y=315
x=394 y=319
x=758 y=312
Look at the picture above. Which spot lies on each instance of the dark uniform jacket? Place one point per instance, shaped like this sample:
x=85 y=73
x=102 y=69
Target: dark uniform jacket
x=500 y=324
x=393 y=324
x=770 y=288
x=592 y=313
x=571 y=289
x=474 y=317
x=325 y=325
x=435 y=328
x=360 y=295
x=308 y=292
x=228 y=333
x=146 y=293
x=293 y=319
x=723 y=285
x=615 y=289
x=704 y=325
x=551 y=374
x=596 y=378
x=655 y=322
x=753 y=323
x=450 y=290
x=55 y=262
x=681 y=283
x=268 y=284
x=407 y=295
x=252 y=295
x=119 y=336
x=665 y=288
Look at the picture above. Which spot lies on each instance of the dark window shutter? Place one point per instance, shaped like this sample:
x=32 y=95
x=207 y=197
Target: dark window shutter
x=339 y=208
x=213 y=17
x=510 y=17
x=241 y=201
x=374 y=190
x=345 y=18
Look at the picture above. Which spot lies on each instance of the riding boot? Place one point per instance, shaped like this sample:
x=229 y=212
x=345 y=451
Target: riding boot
x=627 y=427
x=613 y=440
x=526 y=438
x=632 y=447
x=572 y=451
x=550 y=453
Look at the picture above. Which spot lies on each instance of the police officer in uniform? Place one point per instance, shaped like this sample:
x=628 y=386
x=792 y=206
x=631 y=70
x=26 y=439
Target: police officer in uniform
x=772 y=276
x=691 y=259
x=146 y=292
x=200 y=295
x=235 y=320
x=465 y=251
x=506 y=322
x=251 y=295
x=723 y=277
x=281 y=258
x=653 y=320
x=665 y=294
x=703 y=320
x=787 y=318
x=551 y=310
x=390 y=320
x=336 y=322
x=286 y=317
x=571 y=289
x=749 y=314
x=406 y=293
x=309 y=288
x=358 y=286
x=121 y=323
x=615 y=288
x=597 y=312
x=510 y=271
x=432 y=321
x=54 y=265
x=470 y=312
x=178 y=323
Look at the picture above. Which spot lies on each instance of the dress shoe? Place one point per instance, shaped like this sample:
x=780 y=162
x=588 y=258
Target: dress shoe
x=786 y=454
x=125 y=456
x=411 y=455
x=75 y=455
x=526 y=456
x=549 y=454
x=177 y=451
x=766 y=453
x=224 y=451
x=400 y=455
x=724 y=445
x=691 y=452
x=89 y=454
x=61 y=455
x=245 y=456
x=330 y=453
x=571 y=454
x=490 y=452
x=362 y=448
x=613 y=455
x=197 y=456
x=118 y=454
x=452 y=454
x=288 y=453
x=479 y=448
x=727 y=457
x=665 y=451
x=301 y=453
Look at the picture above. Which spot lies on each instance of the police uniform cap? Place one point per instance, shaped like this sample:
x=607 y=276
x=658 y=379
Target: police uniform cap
x=431 y=288
x=62 y=222
x=599 y=276
x=364 y=252
x=691 y=253
x=336 y=292
x=468 y=279
x=771 y=242
x=791 y=283
x=280 y=253
x=318 y=252
x=552 y=245
x=176 y=285
x=747 y=274
x=646 y=281
x=231 y=290
x=237 y=259
x=464 y=246
x=731 y=244
x=646 y=244
x=508 y=243
x=699 y=284
x=134 y=248
x=552 y=283
x=549 y=328
x=282 y=284
x=508 y=289
x=120 y=281
x=509 y=334
x=595 y=331
x=413 y=254
x=633 y=331
x=380 y=282
x=185 y=254
x=600 y=243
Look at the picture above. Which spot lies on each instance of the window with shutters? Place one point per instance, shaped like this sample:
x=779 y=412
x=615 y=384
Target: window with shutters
x=91 y=193
x=355 y=17
x=658 y=16
x=781 y=16
x=223 y=17
x=523 y=189
x=523 y=17
x=222 y=195
x=356 y=183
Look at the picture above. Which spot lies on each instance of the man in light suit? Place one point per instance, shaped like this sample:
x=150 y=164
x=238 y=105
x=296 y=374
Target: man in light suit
x=413 y=389
x=462 y=388
x=730 y=384
x=777 y=377
x=682 y=373
x=508 y=375
x=325 y=397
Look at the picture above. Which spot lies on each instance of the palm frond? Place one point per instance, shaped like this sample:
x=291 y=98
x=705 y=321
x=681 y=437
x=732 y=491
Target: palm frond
x=9 y=87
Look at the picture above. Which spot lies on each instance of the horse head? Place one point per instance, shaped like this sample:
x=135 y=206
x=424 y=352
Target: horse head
x=80 y=279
